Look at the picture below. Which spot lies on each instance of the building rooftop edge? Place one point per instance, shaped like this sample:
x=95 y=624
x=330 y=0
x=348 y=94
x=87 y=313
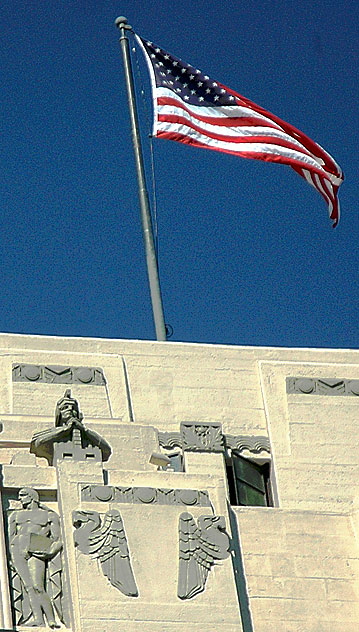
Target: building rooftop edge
x=44 y=337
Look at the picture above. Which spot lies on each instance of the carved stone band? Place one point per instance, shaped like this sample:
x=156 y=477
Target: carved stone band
x=255 y=444
x=239 y=443
x=195 y=437
x=58 y=374
x=322 y=386
x=145 y=495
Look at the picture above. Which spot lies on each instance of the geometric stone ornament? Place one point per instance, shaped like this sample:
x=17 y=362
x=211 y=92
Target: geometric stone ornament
x=170 y=440
x=202 y=437
x=255 y=444
x=58 y=374
x=322 y=386
x=106 y=542
x=35 y=562
x=200 y=547
x=70 y=439
x=144 y=495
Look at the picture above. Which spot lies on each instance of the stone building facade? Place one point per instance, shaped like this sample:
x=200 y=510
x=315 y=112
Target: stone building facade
x=167 y=487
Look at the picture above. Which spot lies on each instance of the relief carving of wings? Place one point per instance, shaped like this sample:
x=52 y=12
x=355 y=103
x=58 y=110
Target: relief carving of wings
x=106 y=542
x=200 y=547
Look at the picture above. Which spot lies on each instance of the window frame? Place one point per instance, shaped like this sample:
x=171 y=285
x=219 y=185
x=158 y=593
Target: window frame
x=263 y=465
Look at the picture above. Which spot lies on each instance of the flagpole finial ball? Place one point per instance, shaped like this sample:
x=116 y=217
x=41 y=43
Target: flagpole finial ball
x=122 y=22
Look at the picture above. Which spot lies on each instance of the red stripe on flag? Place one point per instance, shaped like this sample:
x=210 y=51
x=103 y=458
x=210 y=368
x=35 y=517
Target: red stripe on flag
x=226 y=121
x=264 y=156
x=270 y=140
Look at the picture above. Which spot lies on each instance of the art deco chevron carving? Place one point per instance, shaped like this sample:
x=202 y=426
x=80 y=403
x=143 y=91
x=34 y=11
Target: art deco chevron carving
x=145 y=495
x=52 y=374
x=322 y=386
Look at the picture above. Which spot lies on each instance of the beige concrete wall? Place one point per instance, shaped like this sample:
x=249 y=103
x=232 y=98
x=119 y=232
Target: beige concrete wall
x=302 y=570
x=301 y=558
x=314 y=437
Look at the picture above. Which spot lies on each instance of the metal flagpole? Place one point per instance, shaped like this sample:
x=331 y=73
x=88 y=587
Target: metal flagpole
x=151 y=259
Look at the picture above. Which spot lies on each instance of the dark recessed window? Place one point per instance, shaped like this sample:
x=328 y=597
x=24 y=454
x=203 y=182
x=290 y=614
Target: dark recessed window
x=248 y=482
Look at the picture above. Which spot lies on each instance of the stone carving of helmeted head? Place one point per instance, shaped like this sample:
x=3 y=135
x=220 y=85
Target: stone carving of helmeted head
x=27 y=495
x=67 y=410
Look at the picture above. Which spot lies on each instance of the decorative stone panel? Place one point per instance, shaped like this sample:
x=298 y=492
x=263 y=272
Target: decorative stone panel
x=199 y=437
x=252 y=444
x=255 y=444
x=170 y=440
x=144 y=495
x=52 y=374
x=322 y=386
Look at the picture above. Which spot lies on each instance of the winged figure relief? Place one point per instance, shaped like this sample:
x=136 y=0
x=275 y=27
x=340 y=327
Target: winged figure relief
x=106 y=542
x=200 y=547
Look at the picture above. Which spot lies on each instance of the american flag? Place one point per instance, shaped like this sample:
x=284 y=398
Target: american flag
x=192 y=108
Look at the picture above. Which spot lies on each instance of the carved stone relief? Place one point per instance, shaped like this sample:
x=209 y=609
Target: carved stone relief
x=201 y=545
x=199 y=437
x=36 y=565
x=106 y=542
x=145 y=495
x=58 y=374
x=69 y=439
x=322 y=386
x=170 y=440
x=255 y=444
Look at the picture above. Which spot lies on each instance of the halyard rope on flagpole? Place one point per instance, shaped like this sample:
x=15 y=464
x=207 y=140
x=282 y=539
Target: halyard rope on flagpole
x=149 y=123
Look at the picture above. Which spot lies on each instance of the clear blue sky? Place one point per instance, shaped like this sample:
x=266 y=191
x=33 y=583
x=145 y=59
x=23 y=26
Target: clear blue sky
x=247 y=252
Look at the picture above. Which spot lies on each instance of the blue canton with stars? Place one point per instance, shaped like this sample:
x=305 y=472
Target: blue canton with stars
x=190 y=84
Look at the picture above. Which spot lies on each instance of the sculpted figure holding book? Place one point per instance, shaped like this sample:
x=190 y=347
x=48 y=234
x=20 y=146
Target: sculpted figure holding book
x=35 y=551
